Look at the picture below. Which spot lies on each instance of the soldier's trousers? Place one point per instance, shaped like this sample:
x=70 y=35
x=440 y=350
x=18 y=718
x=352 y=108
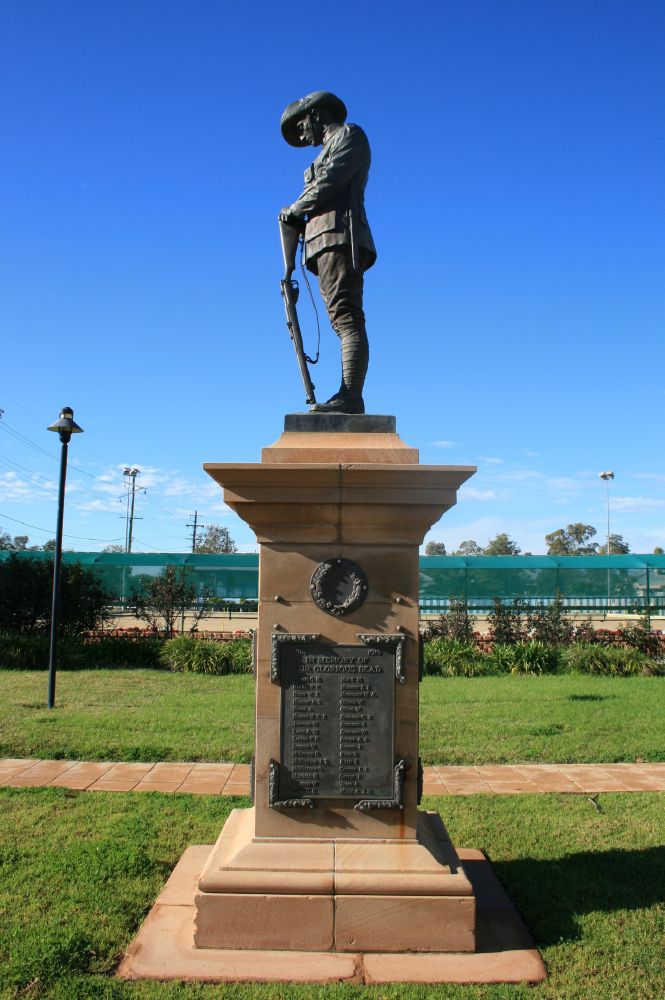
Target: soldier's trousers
x=342 y=291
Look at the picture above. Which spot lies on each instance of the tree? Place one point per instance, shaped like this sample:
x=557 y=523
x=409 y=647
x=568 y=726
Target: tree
x=468 y=548
x=502 y=545
x=574 y=540
x=550 y=624
x=49 y=546
x=658 y=551
x=18 y=543
x=113 y=548
x=508 y=624
x=26 y=587
x=456 y=623
x=165 y=598
x=618 y=547
x=216 y=539
x=435 y=549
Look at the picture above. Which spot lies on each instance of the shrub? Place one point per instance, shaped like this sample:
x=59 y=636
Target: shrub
x=526 y=658
x=507 y=622
x=200 y=656
x=31 y=652
x=548 y=623
x=456 y=624
x=163 y=600
x=641 y=636
x=617 y=661
x=452 y=658
x=26 y=587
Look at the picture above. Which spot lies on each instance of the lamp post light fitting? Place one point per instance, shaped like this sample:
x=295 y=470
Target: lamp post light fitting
x=64 y=427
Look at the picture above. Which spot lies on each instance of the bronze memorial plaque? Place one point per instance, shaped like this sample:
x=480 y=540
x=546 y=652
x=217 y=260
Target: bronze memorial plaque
x=338 y=720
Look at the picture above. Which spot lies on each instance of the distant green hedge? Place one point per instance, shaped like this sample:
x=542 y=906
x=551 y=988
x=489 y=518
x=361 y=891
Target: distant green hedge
x=31 y=652
x=453 y=658
x=442 y=657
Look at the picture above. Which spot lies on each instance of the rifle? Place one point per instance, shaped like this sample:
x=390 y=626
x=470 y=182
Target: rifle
x=290 y=237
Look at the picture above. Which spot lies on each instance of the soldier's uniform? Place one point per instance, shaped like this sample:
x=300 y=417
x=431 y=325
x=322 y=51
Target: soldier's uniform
x=338 y=242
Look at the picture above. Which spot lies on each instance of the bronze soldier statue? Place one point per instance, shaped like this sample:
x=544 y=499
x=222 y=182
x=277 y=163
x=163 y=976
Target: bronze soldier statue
x=338 y=243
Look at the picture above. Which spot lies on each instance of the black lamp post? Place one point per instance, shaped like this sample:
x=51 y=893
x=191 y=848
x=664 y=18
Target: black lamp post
x=65 y=426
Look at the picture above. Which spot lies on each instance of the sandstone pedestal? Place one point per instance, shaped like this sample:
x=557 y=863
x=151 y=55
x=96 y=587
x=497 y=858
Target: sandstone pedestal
x=335 y=856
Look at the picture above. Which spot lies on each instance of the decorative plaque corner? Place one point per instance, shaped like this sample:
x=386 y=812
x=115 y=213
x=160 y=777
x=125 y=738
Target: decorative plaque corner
x=397 y=801
x=274 y=800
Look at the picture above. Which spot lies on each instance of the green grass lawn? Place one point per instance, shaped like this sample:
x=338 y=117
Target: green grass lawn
x=79 y=872
x=151 y=715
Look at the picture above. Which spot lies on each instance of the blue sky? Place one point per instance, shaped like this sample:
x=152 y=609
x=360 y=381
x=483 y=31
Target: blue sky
x=516 y=196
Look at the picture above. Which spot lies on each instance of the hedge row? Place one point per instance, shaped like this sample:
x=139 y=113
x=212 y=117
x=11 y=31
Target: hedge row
x=31 y=652
x=202 y=656
x=443 y=657
x=452 y=658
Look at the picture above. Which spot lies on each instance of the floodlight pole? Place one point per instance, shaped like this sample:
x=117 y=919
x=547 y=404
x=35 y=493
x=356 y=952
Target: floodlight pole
x=606 y=476
x=65 y=426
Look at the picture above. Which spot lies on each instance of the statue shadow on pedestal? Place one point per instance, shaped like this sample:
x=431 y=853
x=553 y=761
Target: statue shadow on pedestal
x=551 y=894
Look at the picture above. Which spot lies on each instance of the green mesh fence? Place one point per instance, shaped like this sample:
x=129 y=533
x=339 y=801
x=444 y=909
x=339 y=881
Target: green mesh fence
x=584 y=582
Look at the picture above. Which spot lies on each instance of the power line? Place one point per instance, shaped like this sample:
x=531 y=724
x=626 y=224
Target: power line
x=46 y=486
x=49 y=531
x=26 y=440
x=154 y=548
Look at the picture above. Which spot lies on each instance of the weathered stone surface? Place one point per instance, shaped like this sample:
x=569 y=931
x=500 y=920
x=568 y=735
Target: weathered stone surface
x=164 y=947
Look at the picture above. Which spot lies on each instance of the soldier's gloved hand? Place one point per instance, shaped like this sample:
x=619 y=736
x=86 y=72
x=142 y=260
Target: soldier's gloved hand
x=287 y=216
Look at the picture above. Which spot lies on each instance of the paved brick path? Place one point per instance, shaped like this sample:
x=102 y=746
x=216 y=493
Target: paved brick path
x=233 y=779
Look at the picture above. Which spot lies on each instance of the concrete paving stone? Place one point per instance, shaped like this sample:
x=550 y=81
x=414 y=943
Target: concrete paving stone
x=203 y=767
x=210 y=778
x=8 y=772
x=456 y=781
x=218 y=775
x=76 y=784
x=199 y=790
x=48 y=769
x=16 y=762
x=157 y=786
x=202 y=787
x=502 y=772
x=236 y=788
x=644 y=783
x=240 y=772
x=23 y=781
x=82 y=770
x=458 y=785
x=543 y=775
x=122 y=771
x=555 y=783
x=105 y=785
x=513 y=787
x=595 y=785
x=170 y=772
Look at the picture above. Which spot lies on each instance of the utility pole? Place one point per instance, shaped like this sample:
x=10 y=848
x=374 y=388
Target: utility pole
x=195 y=526
x=131 y=495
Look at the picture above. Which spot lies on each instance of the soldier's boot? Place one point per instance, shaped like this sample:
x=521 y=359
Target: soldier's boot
x=355 y=358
